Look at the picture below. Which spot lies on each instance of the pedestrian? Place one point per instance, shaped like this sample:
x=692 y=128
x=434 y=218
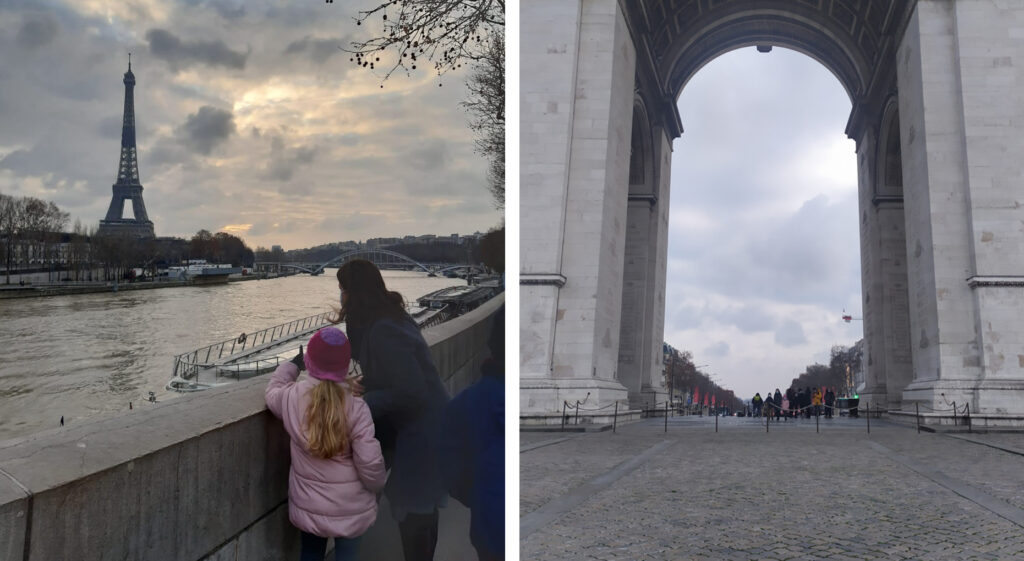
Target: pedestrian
x=336 y=463
x=816 y=402
x=62 y=420
x=473 y=449
x=791 y=396
x=756 y=403
x=830 y=400
x=785 y=408
x=769 y=405
x=405 y=396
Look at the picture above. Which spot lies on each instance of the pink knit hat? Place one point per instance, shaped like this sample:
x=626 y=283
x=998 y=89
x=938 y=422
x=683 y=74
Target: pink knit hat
x=328 y=354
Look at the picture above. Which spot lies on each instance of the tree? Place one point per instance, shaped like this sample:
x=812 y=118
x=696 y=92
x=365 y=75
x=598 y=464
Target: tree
x=441 y=33
x=492 y=249
x=486 y=106
x=221 y=247
x=446 y=34
x=8 y=228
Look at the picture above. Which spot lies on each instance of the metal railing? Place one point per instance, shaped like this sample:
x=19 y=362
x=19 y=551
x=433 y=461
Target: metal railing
x=187 y=365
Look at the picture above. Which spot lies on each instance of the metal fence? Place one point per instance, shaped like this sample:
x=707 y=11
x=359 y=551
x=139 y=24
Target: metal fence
x=958 y=415
x=187 y=365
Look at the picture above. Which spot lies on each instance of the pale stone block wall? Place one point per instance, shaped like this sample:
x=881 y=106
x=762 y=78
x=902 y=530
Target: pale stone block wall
x=549 y=46
x=990 y=52
x=936 y=198
x=587 y=336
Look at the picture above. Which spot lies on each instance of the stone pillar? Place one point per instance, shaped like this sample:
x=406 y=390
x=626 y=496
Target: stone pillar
x=887 y=353
x=576 y=115
x=640 y=354
x=962 y=120
x=990 y=53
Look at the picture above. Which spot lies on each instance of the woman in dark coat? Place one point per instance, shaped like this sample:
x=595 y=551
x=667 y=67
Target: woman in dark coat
x=406 y=398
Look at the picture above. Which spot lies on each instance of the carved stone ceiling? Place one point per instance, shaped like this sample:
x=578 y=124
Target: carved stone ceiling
x=850 y=37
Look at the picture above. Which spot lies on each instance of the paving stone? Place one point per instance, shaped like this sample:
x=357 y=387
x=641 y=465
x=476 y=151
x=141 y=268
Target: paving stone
x=788 y=494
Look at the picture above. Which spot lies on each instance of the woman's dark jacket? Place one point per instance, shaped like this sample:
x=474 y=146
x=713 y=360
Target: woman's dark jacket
x=407 y=401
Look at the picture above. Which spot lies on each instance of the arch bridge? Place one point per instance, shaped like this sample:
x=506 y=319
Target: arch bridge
x=382 y=258
x=936 y=118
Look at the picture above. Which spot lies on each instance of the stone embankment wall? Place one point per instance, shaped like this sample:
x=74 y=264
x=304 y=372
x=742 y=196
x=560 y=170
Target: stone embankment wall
x=34 y=291
x=199 y=477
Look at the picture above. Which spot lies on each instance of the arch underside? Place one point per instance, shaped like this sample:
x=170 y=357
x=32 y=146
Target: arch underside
x=849 y=37
x=798 y=36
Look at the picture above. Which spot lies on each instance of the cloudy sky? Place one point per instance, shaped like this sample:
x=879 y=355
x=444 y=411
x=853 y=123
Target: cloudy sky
x=249 y=118
x=764 y=250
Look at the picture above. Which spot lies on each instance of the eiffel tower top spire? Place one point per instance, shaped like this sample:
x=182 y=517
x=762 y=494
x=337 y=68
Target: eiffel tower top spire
x=128 y=167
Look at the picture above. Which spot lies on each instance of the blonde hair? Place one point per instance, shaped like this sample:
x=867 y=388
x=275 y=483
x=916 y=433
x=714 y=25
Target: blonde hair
x=326 y=425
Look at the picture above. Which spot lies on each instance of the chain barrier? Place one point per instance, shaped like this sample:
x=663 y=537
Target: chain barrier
x=779 y=412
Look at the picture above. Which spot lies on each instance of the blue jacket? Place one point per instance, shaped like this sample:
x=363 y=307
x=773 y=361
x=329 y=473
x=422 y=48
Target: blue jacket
x=407 y=401
x=473 y=449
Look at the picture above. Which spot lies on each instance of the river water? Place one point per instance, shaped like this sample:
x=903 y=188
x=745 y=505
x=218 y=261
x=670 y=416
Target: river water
x=87 y=356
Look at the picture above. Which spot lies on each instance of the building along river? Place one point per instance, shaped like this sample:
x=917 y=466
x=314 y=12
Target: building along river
x=90 y=355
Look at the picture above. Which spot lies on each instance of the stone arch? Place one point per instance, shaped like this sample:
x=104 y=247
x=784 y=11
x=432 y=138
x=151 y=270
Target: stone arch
x=589 y=61
x=850 y=39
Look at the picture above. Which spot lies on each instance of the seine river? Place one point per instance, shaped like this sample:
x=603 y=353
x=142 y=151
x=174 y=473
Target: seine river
x=87 y=356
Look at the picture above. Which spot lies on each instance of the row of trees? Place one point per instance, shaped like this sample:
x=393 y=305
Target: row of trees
x=221 y=247
x=489 y=250
x=685 y=377
x=33 y=238
x=839 y=373
x=30 y=229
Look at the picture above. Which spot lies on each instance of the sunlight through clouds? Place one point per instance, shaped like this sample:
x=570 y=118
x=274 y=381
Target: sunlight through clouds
x=248 y=115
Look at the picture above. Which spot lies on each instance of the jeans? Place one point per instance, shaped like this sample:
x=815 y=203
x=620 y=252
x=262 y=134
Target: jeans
x=314 y=547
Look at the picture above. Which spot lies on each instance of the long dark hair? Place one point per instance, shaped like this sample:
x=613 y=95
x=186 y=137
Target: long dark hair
x=368 y=299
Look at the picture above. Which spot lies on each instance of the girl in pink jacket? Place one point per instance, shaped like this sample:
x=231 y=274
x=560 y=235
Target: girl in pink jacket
x=337 y=467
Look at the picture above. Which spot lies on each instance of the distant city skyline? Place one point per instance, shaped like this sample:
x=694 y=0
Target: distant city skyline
x=250 y=120
x=387 y=239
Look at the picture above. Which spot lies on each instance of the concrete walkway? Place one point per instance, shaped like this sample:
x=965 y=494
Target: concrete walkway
x=791 y=493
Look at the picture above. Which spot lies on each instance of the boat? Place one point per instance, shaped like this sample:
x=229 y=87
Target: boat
x=181 y=385
x=199 y=271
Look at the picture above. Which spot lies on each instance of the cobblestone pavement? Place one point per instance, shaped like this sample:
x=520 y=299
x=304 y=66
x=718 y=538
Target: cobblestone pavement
x=787 y=494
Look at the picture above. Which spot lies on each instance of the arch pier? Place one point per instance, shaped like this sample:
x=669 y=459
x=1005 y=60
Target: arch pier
x=937 y=120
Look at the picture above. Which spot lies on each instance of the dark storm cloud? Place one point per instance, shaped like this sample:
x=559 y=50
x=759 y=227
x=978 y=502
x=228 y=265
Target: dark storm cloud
x=285 y=161
x=229 y=10
x=207 y=128
x=181 y=54
x=317 y=50
x=37 y=31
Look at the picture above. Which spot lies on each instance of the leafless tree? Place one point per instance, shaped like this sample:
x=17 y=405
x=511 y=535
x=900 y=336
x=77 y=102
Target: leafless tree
x=486 y=106
x=443 y=35
x=420 y=34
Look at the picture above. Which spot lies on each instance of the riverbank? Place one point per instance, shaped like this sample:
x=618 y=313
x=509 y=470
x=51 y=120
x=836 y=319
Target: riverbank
x=69 y=288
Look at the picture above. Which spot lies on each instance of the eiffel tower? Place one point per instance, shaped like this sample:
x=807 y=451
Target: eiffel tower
x=127 y=186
